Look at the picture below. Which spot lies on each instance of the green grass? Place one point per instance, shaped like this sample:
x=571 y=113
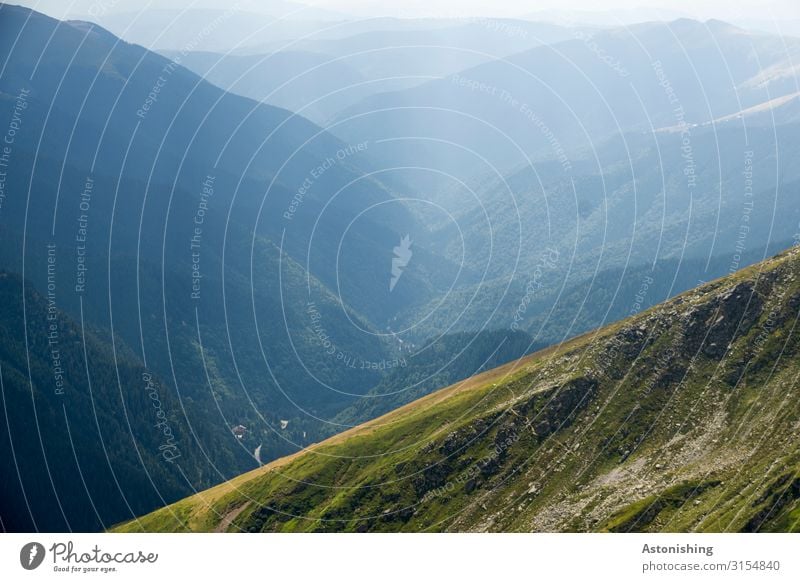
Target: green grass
x=655 y=445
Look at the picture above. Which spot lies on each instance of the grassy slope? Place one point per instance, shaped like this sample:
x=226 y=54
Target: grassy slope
x=682 y=418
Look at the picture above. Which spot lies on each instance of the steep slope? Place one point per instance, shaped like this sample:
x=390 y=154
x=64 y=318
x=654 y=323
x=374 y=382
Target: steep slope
x=178 y=25
x=102 y=108
x=444 y=361
x=613 y=222
x=87 y=432
x=683 y=418
x=640 y=154
x=312 y=84
x=166 y=199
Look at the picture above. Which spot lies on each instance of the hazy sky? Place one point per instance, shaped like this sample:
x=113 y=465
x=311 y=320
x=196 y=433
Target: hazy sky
x=700 y=8
x=608 y=11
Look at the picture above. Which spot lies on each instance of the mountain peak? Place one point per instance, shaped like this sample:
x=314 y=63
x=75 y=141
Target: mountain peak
x=102 y=33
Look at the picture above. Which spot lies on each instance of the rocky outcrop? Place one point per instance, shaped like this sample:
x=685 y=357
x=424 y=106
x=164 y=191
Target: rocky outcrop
x=781 y=493
x=713 y=325
x=556 y=409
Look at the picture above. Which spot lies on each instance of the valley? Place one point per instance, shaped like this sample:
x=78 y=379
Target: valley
x=682 y=418
x=394 y=274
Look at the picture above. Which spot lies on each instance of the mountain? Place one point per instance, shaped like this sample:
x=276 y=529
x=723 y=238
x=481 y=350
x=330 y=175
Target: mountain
x=488 y=38
x=554 y=99
x=607 y=151
x=782 y=110
x=92 y=8
x=89 y=434
x=167 y=200
x=209 y=29
x=440 y=362
x=638 y=209
x=610 y=18
x=280 y=284
x=318 y=76
x=240 y=252
x=312 y=84
x=196 y=26
x=681 y=418
x=554 y=306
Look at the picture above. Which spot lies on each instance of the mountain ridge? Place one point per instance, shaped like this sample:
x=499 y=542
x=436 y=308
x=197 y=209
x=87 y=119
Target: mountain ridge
x=87 y=115
x=681 y=418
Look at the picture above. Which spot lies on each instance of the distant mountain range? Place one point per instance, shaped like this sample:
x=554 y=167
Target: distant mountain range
x=621 y=149
x=554 y=99
x=318 y=76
